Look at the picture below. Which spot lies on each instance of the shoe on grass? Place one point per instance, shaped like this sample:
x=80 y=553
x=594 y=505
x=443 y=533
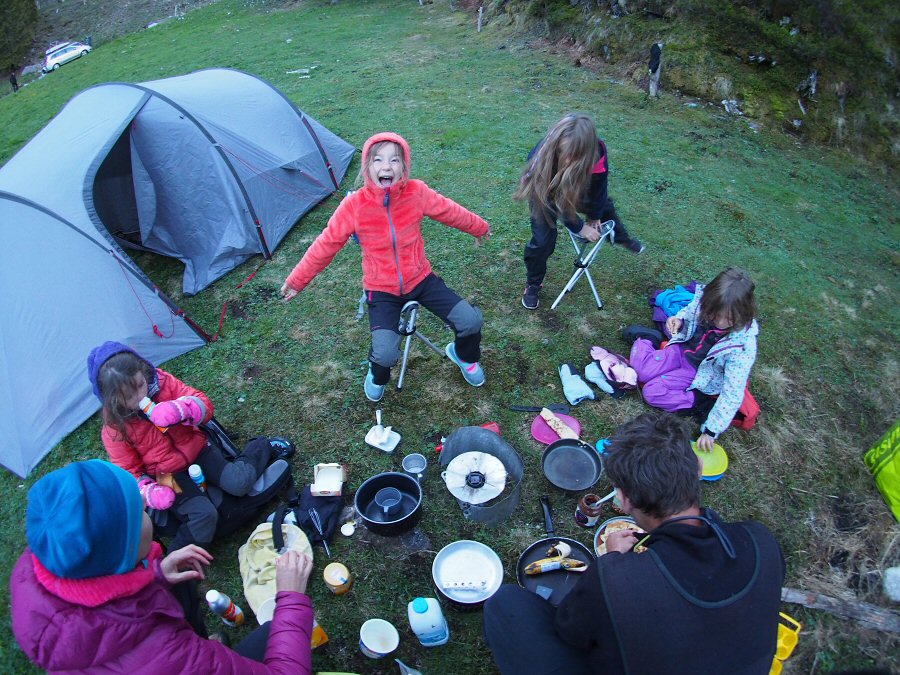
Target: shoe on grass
x=633 y=332
x=531 y=297
x=472 y=372
x=282 y=448
x=374 y=392
x=634 y=245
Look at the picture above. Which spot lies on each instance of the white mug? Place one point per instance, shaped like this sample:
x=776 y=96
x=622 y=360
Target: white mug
x=378 y=638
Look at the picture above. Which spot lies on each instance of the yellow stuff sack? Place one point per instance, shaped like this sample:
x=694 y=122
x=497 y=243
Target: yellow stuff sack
x=257 y=559
x=883 y=460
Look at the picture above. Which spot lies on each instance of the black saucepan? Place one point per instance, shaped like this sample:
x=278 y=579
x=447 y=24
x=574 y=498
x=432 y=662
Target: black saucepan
x=557 y=583
x=402 y=516
x=571 y=464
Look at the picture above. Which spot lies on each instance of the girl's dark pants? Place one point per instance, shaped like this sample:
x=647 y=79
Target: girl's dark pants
x=437 y=297
x=195 y=510
x=543 y=237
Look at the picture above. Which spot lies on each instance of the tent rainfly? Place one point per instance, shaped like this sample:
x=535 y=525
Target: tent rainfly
x=211 y=168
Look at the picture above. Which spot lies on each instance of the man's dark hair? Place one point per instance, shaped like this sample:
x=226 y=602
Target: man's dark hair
x=651 y=460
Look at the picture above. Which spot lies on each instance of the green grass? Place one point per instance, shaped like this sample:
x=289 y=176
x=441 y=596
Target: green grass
x=818 y=232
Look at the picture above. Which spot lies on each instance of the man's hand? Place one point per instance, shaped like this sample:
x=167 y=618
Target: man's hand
x=292 y=572
x=288 y=293
x=674 y=324
x=185 y=564
x=705 y=442
x=483 y=238
x=589 y=232
x=621 y=541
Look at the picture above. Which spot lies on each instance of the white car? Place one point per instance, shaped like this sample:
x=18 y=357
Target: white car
x=68 y=51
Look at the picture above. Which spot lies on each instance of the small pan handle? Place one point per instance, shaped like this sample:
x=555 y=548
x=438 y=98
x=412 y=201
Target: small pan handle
x=548 y=516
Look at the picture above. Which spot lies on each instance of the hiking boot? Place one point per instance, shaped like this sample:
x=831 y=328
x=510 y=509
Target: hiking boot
x=530 y=299
x=374 y=392
x=282 y=448
x=472 y=372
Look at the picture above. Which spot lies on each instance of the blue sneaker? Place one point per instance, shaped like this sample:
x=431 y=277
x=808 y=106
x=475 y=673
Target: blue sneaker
x=472 y=372
x=374 y=392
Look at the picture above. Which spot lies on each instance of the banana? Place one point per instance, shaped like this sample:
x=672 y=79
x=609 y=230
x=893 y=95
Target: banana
x=557 y=563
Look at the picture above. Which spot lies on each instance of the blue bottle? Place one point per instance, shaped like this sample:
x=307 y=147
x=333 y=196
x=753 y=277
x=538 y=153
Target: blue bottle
x=196 y=474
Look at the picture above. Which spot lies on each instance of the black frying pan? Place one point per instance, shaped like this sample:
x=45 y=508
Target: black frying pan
x=571 y=464
x=558 y=582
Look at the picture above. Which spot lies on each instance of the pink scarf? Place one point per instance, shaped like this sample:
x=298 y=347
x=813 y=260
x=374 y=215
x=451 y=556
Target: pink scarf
x=95 y=591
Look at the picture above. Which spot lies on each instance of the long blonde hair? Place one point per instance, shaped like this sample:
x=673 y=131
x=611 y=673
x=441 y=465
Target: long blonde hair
x=560 y=171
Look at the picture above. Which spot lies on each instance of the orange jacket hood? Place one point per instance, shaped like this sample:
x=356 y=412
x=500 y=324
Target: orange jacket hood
x=393 y=138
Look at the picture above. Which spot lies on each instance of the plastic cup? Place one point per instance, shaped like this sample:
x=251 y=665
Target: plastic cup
x=378 y=638
x=388 y=500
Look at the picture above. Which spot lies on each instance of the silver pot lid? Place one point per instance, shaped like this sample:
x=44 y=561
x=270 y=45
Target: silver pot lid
x=475 y=477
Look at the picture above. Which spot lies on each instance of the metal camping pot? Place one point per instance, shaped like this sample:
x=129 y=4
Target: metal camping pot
x=478 y=439
x=389 y=517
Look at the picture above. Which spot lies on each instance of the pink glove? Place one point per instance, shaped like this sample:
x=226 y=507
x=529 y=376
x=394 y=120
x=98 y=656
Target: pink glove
x=156 y=496
x=185 y=409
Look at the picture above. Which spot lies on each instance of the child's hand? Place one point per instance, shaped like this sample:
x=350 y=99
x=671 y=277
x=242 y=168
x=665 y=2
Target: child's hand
x=288 y=293
x=674 y=324
x=589 y=232
x=156 y=496
x=484 y=237
x=705 y=443
x=183 y=409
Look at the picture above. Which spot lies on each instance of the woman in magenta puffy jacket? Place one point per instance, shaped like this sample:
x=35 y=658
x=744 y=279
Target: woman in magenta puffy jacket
x=92 y=592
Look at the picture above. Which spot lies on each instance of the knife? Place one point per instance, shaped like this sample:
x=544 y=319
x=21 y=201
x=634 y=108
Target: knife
x=553 y=407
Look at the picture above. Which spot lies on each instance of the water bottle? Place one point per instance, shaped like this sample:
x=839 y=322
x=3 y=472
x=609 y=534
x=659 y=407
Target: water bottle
x=428 y=623
x=224 y=606
x=196 y=474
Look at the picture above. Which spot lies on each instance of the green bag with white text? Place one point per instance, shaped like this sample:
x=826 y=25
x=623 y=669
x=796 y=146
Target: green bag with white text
x=883 y=460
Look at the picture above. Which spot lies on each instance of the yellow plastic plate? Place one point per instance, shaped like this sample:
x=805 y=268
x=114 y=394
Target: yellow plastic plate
x=715 y=462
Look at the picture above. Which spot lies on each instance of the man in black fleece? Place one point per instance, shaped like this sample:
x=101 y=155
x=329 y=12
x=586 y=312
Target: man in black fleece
x=703 y=598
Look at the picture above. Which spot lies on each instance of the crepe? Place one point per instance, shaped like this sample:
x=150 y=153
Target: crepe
x=559 y=427
x=615 y=527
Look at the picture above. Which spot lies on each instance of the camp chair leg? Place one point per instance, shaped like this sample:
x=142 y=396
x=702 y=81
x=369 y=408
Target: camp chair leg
x=408 y=315
x=583 y=262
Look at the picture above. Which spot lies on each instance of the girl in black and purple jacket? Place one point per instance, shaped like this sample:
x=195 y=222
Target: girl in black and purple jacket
x=567 y=174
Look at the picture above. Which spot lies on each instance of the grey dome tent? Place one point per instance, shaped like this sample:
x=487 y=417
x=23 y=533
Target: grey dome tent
x=210 y=168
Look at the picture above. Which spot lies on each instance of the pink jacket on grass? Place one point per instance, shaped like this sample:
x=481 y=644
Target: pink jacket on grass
x=131 y=623
x=388 y=223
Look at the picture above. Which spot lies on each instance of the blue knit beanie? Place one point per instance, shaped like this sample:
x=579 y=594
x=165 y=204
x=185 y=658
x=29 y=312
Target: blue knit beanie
x=85 y=519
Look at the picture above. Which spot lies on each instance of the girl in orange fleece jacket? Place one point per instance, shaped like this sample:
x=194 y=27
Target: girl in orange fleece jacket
x=386 y=217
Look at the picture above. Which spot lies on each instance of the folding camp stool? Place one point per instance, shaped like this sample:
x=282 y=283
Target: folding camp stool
x=585 y=253
x=408 y=315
